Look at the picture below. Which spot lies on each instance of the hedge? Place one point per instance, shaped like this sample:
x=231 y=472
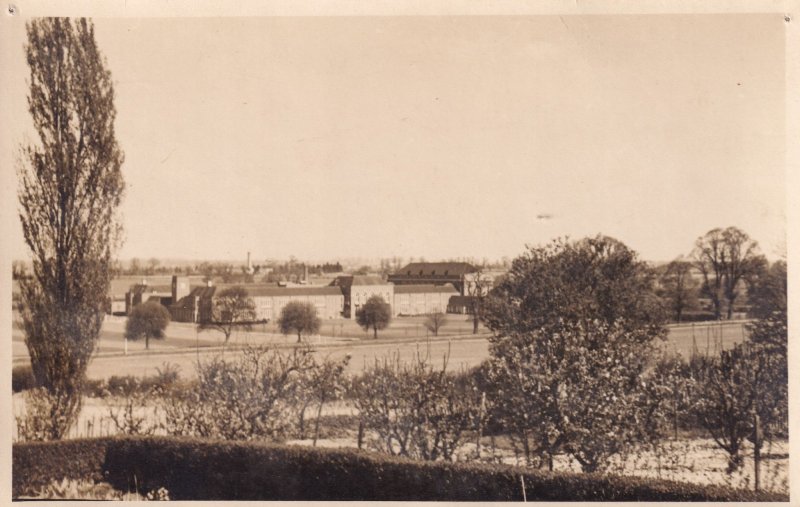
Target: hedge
x=36 y=464
x=196 y=469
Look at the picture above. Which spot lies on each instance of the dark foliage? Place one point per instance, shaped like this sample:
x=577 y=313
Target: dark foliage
x=70 y=185
x=147 y=320
x=36 y=464
x=22 y=379
x=194 y=469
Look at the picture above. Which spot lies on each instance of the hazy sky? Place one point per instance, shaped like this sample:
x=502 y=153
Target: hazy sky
x=438 y=136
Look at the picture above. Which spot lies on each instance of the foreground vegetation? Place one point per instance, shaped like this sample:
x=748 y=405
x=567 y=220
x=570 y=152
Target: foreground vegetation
x=199 y=469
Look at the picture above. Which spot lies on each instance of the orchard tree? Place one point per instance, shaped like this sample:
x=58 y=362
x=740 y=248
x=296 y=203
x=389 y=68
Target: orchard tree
x=375 y=315
x=573 y=326
x=299 y=318
x=231 y=309
x=70 y=187
x=147 y=320
x=680 y=289
x=726 y=258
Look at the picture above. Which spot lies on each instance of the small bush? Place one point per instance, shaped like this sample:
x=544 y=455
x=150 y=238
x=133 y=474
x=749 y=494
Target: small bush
x=22 y=379
x=94 y=388
x=697 y=316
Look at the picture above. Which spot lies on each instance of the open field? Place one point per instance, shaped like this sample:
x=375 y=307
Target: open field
x=405 y=336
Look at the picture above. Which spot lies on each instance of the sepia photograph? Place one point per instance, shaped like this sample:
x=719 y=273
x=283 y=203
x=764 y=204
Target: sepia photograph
x=330 y=252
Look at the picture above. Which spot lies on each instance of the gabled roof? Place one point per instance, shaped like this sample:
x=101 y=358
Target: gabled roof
x=425 y=289
x=429 y=269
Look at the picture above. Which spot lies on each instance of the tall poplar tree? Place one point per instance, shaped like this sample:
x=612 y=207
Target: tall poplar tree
x=70 y=186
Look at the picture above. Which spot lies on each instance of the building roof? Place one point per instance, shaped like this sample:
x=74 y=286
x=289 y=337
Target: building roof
x=350 y=280
x=435 y=269
x=143 y=288
x=271 y=290
x=263 y=290
x=461 y=300
x=425 y=288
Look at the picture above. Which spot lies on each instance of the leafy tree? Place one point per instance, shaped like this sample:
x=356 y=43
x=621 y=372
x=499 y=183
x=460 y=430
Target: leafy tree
x=679 y=287
x=147 y=320
x=767 y=293
x=434 y=322
x=375 y=315
x=573 y=325
x=726 y=258
x=70 y=186
x=299 y=318
x=135 y=266
x=231 y=309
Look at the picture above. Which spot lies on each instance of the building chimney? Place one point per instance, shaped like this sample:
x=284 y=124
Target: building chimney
x=249 y=266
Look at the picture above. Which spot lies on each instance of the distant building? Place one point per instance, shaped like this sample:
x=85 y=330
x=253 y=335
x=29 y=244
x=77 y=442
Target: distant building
x=269 y=300
x=143 y=292
x=357 y=289
x=434 y=273
x=422 y=299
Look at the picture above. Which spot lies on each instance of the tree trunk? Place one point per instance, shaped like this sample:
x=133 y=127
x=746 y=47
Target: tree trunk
x=316 y=423
x=299 y=338
x=146 y=342
x=375 y=331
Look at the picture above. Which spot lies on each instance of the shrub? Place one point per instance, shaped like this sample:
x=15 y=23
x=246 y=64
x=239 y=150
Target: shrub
x=44 y=419
x=94 y=388
x=22 y=378
x=194 y=469
x=697 y=316
x=37 y=464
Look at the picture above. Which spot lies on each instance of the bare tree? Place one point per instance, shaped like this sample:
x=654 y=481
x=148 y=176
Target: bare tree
x=232 y=309
x=435 y=321
x=726 y=258
x=70 y=187
x=477 y=289
x=680 y=289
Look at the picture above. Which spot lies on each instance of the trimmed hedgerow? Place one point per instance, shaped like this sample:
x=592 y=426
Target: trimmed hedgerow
x=37 y=464
x=195 y=469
